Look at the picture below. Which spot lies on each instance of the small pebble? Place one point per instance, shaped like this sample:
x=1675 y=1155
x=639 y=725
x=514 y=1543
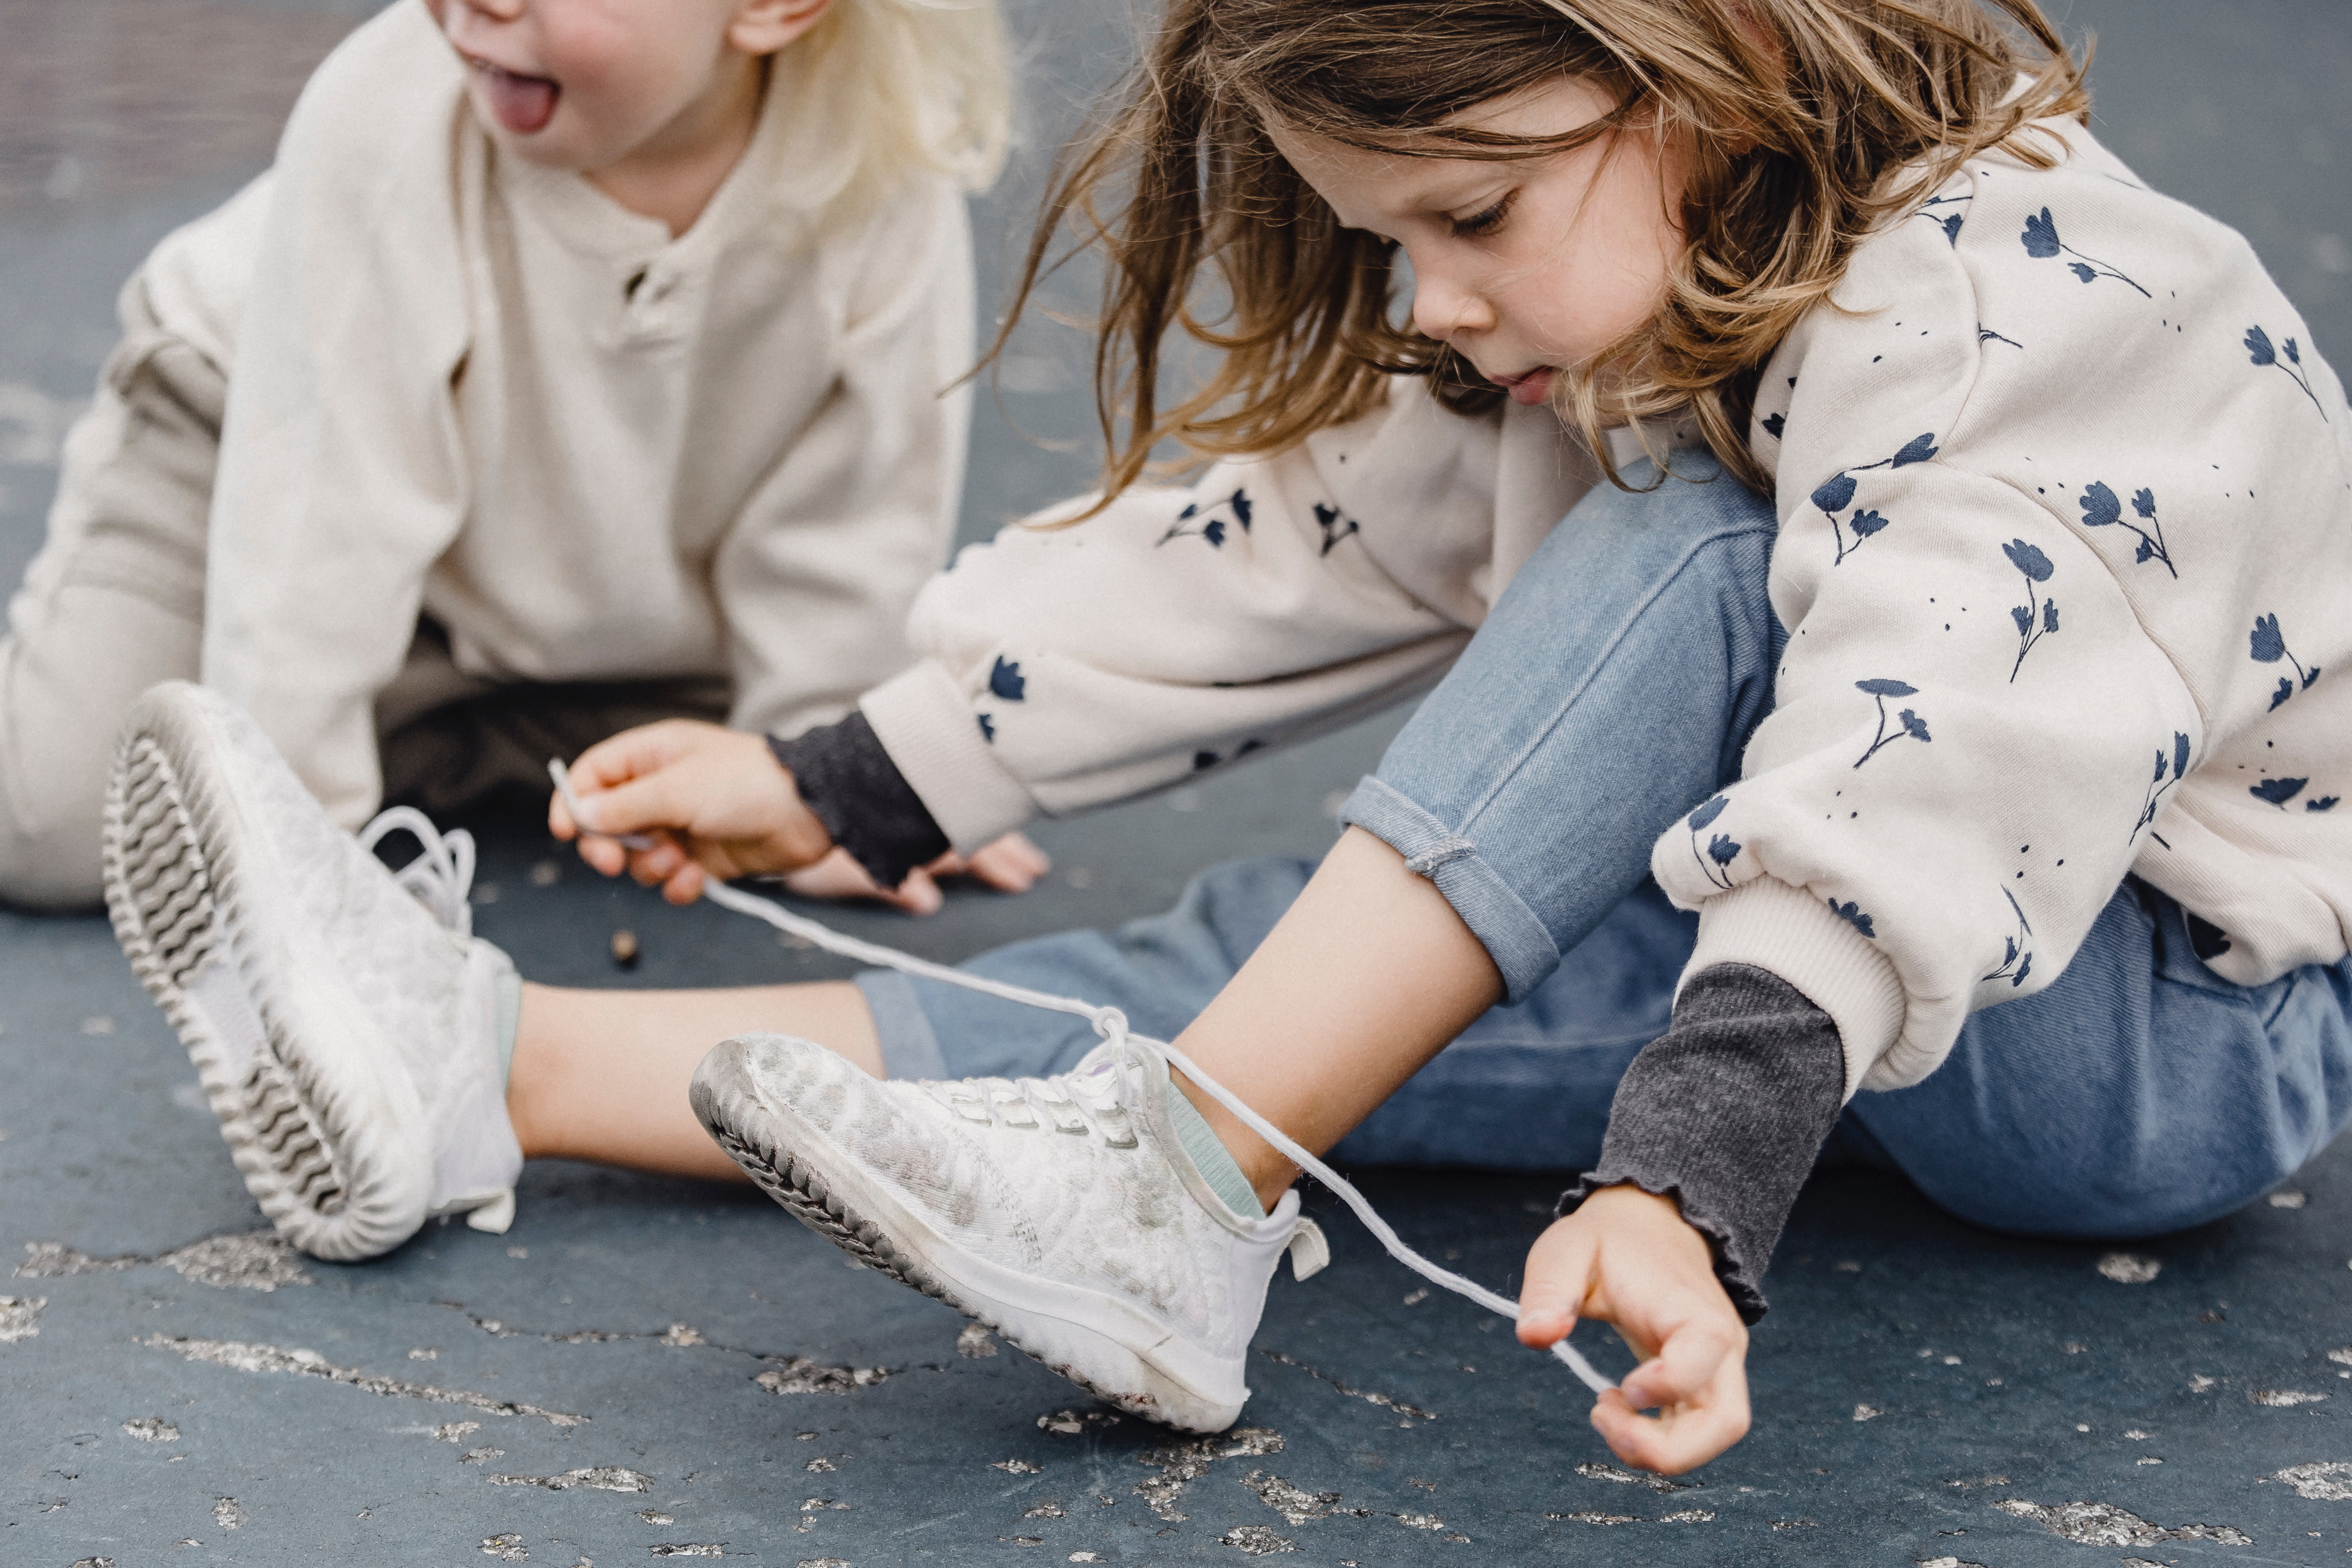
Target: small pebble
x=625 y=948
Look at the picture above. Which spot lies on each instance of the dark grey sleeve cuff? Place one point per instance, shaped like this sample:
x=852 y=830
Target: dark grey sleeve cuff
x=845 y=776
x=1725 y=1113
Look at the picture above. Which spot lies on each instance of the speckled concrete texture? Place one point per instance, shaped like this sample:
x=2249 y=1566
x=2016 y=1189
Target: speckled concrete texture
x=645 y=1368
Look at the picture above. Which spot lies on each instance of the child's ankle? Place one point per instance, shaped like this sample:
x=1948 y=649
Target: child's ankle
x=1218 y=1166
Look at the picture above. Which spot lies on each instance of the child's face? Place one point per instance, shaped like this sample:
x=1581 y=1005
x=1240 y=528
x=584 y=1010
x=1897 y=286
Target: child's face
x=1522 y=267
x=585 y=84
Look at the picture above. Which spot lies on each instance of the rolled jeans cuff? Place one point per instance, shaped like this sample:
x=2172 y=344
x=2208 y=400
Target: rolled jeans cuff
x=1501 y=920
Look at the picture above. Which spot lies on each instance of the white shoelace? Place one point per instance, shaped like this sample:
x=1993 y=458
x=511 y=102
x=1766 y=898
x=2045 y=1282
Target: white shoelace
x=442 y=878
x=1112 y=1025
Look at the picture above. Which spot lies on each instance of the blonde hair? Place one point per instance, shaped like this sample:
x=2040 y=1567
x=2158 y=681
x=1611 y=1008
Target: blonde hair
x=1808 y=122
x=913 y=86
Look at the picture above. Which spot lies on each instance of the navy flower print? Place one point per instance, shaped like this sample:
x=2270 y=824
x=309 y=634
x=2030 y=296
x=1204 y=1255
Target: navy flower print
x=1197 y=522
x=1336 y=525
x=2269 y=647
x=2017 y=956
x=1907 y=722
x=1774 y=424
x=1721 y=850
x=1987 y=335
x=1948 y=222
x=2159 y=786
x=2278 y=792
x=1854 y=917
x=2041 y=241
x=2102 y=510
x=1835 y=494
x=2031 y=628
x=1006 y=680
x=2324 y=803
x=2258 y=348
x=987 y=728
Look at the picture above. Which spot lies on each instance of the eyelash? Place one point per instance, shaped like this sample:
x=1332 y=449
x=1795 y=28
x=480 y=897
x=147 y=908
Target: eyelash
x=1482 y=225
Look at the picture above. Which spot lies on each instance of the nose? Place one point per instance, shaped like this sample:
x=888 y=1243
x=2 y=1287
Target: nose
x=1444 y=309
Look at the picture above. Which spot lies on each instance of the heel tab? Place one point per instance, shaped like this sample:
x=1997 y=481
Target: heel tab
x=1310 y=1251
x=496 y=1215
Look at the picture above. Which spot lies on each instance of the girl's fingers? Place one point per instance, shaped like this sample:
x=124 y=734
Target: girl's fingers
x=606 y=858
x=836 y=876
x=684 y=885
x=619 y=758
x=1686 y=1367
x=1558 y=1279
x=1682 y=1436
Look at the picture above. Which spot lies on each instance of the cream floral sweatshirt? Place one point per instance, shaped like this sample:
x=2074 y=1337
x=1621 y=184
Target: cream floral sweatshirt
x=2065 y=558
x=469 y=387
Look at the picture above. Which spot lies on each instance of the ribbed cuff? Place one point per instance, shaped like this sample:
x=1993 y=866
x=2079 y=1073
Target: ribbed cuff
x=927 y=724
x=1788 y=932
x=845 y=777
x=1724 y=1114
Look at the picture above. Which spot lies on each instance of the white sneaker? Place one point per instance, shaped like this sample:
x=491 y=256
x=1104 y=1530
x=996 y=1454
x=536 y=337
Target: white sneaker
x=347 y=1038
x=1062 y=1213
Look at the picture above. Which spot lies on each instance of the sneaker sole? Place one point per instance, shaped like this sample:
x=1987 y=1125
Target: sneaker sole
x=197 y=902
x=1100 y=1342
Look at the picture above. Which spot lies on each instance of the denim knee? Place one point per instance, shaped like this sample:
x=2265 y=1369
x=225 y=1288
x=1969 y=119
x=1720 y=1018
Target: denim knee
x=1533 y=781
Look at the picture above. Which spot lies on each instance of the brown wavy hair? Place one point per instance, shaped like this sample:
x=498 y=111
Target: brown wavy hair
x=1806 y=122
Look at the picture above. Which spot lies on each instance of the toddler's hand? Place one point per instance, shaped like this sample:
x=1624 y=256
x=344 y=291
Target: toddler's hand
x=1010 y=865
x=713 y=800
x=1628 y=1259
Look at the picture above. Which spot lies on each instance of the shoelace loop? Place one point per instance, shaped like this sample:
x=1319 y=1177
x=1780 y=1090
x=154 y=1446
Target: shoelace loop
x=442 y=876
x=1110 y=1023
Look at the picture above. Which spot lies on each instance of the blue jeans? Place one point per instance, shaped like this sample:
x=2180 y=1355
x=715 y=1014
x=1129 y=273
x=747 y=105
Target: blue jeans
x=1613 y=688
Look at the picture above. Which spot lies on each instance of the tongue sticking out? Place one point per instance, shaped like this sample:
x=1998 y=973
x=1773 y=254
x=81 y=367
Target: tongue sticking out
x=523 y=104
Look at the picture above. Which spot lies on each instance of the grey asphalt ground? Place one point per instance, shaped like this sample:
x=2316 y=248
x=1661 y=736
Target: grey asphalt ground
x=645 y=1368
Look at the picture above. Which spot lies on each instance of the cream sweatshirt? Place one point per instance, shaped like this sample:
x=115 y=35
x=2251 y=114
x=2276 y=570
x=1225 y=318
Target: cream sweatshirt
x=467 y=386
x=2065 y=558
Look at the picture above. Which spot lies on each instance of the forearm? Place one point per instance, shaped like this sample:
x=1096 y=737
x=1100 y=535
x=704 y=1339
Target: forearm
x=1724 y=1114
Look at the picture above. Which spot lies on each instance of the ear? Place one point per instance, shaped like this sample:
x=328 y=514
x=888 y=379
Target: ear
x=763 y=27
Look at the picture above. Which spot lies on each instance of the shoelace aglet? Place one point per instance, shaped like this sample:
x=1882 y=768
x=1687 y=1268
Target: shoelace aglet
x=562 y=777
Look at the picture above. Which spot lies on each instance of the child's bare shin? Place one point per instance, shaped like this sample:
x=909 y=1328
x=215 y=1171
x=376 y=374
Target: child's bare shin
x=1369 y=975
x=602 y=1075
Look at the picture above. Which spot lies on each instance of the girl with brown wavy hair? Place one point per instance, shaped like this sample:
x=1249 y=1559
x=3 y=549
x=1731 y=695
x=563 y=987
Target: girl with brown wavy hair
x=1931 y=646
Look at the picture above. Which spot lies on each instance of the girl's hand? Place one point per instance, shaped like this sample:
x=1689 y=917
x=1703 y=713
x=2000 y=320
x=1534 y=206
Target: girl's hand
x=1628 y=1259
x=712 y=799
x=1010 y=865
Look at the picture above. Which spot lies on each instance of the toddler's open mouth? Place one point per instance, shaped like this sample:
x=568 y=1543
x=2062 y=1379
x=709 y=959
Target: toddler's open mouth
x=521 y=104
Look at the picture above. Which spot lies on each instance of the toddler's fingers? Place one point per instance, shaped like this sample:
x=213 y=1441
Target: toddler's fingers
x=1010 y=865
x=917 y=895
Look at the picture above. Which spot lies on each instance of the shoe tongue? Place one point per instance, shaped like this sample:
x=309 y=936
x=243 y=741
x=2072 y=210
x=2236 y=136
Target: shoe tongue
x=1096 y=1079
